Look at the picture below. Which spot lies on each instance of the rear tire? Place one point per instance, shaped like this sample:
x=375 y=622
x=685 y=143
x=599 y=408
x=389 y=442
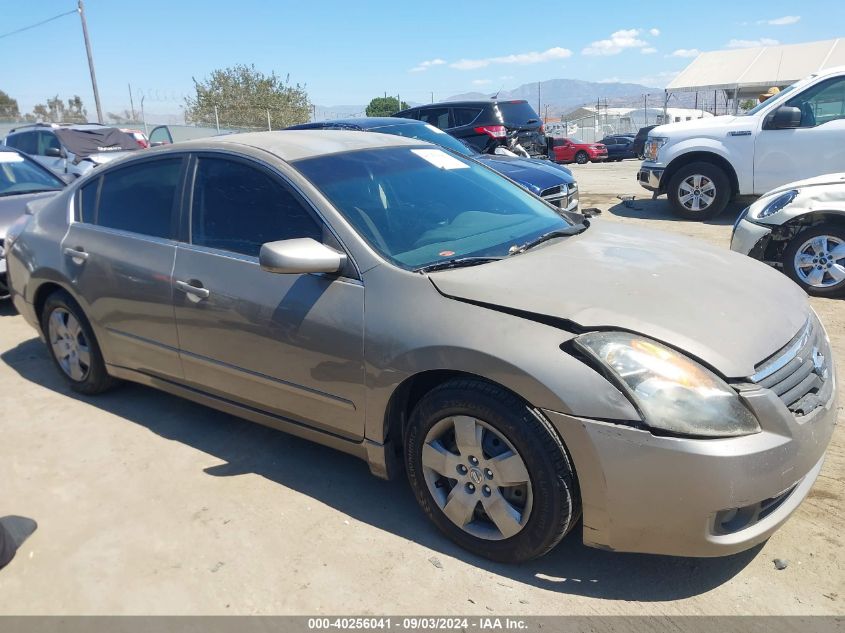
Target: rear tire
x=477 y=447
x=699 y=191
x=821 y=250
x=581 y=158
x=72 y=345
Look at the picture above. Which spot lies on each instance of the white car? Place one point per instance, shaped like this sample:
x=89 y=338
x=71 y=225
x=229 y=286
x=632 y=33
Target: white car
x=702 y=164
x=799 y=227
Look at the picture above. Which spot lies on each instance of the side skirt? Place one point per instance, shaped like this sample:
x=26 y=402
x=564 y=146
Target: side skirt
x=371 y=452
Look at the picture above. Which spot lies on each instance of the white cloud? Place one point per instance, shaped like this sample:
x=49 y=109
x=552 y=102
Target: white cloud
x=506 y=77
x=648 y=50
x=519 y=58
x=685 y=52
x=654 y=32
x=616 y=43
x=481 y=82
x=422 y=66
x=784 y=21
x=763 y=41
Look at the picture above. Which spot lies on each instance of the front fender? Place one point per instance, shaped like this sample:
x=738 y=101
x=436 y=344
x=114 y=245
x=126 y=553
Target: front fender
x=735 y=154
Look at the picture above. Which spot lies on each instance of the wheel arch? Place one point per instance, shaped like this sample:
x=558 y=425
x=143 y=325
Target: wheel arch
x=700 y=156
x=784 y=233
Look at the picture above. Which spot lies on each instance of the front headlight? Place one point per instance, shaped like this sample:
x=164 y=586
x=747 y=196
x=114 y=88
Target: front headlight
x=652 y=147
x=776 y=204
x=671 y=391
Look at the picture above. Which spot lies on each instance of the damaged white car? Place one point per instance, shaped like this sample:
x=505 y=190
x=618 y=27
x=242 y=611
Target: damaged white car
x=799 y=227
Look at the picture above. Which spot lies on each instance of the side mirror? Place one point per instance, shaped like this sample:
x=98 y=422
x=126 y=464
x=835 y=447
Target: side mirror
x=55 y=152
x=785 y=118
x=300 y=256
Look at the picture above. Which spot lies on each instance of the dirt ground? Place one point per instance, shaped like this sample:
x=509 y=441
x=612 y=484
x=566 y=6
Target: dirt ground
x=147 y=504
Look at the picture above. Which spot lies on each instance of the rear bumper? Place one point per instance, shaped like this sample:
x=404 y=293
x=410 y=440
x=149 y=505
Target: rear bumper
x=667 y=495
x=650 y=177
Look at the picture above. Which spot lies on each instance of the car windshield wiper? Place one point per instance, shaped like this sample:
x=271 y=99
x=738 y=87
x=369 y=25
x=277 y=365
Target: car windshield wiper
x=25 y=193
x=458 y=262
x=545 y=237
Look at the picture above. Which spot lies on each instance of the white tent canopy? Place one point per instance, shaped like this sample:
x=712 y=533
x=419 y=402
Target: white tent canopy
x=748 y=70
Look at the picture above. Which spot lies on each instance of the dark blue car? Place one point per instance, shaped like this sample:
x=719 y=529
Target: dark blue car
x=554 y=183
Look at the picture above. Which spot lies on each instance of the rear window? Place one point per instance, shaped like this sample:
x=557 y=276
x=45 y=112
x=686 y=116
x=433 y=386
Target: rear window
x=465 y=116
x=517 y=113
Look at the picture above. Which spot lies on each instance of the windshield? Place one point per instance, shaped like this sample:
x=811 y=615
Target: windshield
x=418 y=206
x=577 y=141
x=425 y=132
x=768 y=101
x=19 y=176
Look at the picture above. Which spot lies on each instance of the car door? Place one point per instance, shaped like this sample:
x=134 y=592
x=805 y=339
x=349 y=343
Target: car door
x=119 y=253
x=290 y=345
x=815 y=147
x=160 y=135
x=564 y=150
x=612 y=146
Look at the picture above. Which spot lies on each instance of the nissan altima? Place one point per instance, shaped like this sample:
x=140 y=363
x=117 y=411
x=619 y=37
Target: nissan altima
x=408 y=305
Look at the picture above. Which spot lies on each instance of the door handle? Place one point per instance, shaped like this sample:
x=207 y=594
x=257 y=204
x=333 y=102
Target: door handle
x=77 y=254
x=197 y=291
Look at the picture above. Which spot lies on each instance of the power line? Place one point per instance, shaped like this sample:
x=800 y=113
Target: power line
x=32 y=26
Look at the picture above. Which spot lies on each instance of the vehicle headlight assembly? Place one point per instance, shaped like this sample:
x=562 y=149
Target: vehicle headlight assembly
x=776 y=204
x=672 y=392
x=653 y=145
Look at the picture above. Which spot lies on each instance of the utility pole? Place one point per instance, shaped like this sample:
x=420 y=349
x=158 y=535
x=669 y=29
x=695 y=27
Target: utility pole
x=538 y=98
x=81 y=9
x=131 y=102
x=645 y=109
x=144 y=116
x=432 y=96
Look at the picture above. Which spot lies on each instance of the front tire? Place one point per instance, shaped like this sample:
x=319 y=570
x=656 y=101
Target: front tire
x=581 y=158
x=72 y=345
x=699 y=191
x=815 y=260
x=490 y=471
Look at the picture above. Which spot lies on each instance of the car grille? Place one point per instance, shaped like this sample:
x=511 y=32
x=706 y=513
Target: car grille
x=799 y=371
x=558 y=196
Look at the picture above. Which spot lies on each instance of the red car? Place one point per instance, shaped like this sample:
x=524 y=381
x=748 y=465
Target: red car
x=568 y=150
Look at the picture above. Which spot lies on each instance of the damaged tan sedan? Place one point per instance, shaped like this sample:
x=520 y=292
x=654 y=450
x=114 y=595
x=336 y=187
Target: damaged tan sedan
x=409 y=306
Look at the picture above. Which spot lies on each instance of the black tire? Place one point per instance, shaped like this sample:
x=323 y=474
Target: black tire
x=556 y=503
x=836 y=231
x=581 y=158
x=96 y=379
x=714 y=175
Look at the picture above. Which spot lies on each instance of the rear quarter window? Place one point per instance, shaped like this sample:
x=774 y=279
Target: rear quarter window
x=519 y=113
x=464 y=116
x=86 y=205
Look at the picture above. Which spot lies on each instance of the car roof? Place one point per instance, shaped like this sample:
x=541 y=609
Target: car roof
x=291 y=145
x=357 y=123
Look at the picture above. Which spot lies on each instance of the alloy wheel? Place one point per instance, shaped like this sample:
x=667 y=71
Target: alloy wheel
x=696 y=192
x=69 y=344
x=820 y=261
x=477 y=478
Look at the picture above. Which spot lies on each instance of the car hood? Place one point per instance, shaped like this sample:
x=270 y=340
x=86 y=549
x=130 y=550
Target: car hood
x=13 y=207
x=727 y=310
x=717 y=125
x=533 y=174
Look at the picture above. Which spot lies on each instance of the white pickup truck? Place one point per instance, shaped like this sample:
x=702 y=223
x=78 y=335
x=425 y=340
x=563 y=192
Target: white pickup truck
x=701 y=165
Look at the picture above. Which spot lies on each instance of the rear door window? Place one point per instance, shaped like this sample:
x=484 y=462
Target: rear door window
x=140 y=198
x=27 y=142
x=438 y=117
x=464 y=116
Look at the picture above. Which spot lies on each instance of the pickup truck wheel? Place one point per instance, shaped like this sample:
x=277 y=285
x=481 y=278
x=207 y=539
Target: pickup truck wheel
x=699 y=191
x=581 y=158
x=815 y=260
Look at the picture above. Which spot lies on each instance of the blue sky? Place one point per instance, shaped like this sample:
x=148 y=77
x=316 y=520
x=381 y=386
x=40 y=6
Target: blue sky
x=347 y=52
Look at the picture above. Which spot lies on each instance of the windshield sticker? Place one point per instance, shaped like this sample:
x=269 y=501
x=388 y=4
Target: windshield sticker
x=439 y=158
x=10 y=157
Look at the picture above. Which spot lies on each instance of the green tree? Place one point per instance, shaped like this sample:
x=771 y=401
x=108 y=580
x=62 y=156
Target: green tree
x=385 y=106
x=243 y=96
x=8 y=107
x=55 y=111
x=747 y=104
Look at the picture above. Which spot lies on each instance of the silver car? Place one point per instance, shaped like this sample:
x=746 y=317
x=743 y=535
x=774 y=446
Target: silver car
x=407 y=305
x=799 y=228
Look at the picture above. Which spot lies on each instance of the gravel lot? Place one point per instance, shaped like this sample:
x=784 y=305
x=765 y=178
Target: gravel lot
x=150 y=504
